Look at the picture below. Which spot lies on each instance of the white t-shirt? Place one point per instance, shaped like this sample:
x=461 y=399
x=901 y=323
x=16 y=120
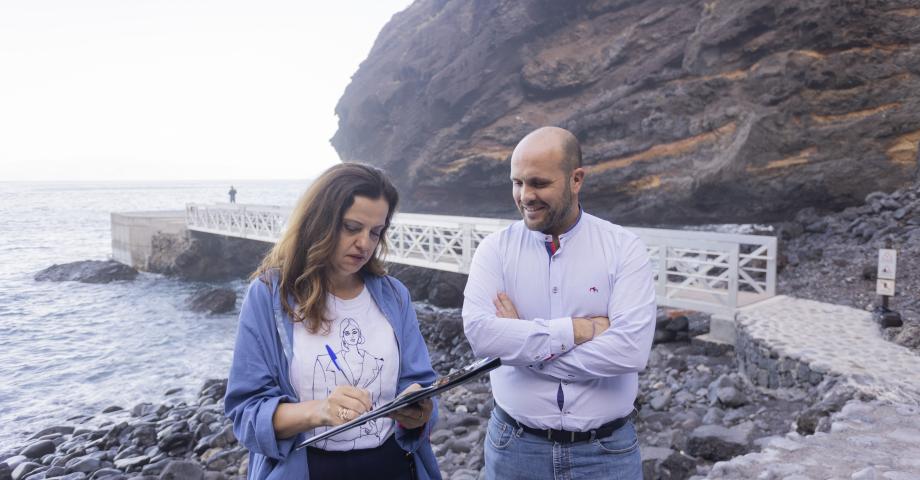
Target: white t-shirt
x=365 y=349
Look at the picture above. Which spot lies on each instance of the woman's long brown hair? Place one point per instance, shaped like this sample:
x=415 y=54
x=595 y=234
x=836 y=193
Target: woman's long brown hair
x=302 y=255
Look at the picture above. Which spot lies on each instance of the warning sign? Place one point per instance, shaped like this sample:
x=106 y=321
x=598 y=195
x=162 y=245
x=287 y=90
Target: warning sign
x=887 y=264
x=884 y=287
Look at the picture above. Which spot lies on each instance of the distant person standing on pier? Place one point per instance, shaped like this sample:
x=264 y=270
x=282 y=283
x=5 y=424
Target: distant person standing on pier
x=566 y=300
x=232 y=194
x=324 y=336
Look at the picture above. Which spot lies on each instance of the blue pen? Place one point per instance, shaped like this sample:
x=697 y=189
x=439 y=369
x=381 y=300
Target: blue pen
x=333 y=357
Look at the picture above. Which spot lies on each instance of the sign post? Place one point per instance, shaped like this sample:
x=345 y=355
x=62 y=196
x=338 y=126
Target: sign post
x=885 y=286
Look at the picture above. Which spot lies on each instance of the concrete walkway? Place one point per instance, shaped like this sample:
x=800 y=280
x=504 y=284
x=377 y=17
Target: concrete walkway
x=836 y=340
x=879 y=439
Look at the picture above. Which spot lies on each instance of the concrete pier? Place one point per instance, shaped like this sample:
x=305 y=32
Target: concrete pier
x=132 y=234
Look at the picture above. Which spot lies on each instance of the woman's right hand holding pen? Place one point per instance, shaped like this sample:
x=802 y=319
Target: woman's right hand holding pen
x=346 y=403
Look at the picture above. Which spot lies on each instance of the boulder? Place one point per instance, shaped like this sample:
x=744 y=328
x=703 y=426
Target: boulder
x=666 y=464
x=132 y=463
x=38 y=449
x=728 y=391
x=85 y=464
x=24 y=469
x=439 y=288
x=182 y=470
x=213 y=300
x=107 y=473
x=810 y=420
x=87 y=271
x=62 y=429
x=715 y=442
x=909 y=336
x=205 y=257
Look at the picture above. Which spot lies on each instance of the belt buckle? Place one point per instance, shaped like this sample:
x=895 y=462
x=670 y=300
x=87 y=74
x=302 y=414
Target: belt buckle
x=572 y=438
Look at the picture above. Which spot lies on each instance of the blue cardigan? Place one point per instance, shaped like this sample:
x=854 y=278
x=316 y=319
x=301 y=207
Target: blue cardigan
x=260 y=378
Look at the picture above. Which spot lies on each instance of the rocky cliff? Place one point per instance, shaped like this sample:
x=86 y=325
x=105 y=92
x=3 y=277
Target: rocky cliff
x=688 y=111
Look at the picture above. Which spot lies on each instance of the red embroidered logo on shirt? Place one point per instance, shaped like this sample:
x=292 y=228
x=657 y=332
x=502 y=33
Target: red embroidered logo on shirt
x=593 y=289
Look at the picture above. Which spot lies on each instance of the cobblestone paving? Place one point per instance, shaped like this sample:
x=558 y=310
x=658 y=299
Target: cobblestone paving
x=867 y=441
x=836 y=340
x=872 y=440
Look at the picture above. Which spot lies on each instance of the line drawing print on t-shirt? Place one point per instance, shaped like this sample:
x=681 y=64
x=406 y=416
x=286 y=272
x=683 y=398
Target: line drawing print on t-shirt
x=360 y=369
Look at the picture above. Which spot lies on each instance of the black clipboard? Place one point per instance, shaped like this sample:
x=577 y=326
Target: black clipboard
x=446 y=382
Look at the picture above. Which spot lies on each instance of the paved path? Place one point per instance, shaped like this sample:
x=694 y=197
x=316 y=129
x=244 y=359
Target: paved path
x=867 y=441
x=836 y=340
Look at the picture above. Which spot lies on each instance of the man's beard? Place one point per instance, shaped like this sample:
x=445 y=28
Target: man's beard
x=554 y=217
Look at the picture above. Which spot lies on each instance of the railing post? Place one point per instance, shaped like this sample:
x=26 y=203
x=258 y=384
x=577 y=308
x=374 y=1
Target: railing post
x=771 y=266
x=733 y=249
x=467 y=253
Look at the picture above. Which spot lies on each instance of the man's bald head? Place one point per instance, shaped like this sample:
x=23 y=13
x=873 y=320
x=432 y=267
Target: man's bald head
x=546 y=178
x=552 y=139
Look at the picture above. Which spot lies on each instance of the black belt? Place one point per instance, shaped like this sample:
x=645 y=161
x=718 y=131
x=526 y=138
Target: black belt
x=566 y=436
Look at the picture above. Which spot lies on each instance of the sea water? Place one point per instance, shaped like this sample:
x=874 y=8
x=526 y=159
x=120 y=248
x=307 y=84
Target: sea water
x=70 y=349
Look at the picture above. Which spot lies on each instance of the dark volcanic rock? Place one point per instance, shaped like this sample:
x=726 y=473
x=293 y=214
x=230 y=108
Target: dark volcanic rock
x=213 y=300
x=715 y=442
x=202 y=256
x=687 y=111
x=38 y=449
x=182 y=470
x=439 y=288
x=87 y=271
x=24 y=469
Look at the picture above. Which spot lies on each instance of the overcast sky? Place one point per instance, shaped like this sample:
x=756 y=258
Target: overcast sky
x=177 y=89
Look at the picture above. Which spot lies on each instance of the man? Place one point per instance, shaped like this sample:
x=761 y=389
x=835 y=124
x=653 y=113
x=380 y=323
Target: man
x=232 y=194
x=567 y=301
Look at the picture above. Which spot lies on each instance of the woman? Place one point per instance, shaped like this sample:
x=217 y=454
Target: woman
x=325 y=336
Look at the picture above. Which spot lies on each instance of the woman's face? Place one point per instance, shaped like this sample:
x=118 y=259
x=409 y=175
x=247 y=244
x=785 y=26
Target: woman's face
x=351 y=334
x=362 y=226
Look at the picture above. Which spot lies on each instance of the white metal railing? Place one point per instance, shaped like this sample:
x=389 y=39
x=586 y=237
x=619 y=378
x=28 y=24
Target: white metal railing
x=709 y=272
x=438 y=241
x=255 y=222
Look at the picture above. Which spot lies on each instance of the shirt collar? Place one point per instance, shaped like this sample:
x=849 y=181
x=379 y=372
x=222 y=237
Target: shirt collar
x=543 y=237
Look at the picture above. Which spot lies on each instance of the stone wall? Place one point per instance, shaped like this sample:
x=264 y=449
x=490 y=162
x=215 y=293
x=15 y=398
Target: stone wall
x=767 y=368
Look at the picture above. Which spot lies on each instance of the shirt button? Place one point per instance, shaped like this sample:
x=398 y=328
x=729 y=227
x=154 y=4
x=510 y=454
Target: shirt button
x=555 y=289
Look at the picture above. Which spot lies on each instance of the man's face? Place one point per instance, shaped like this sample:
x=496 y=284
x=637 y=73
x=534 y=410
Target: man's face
x=542 y=189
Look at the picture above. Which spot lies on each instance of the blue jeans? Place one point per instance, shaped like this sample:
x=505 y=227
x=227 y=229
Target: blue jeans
x=511 y=453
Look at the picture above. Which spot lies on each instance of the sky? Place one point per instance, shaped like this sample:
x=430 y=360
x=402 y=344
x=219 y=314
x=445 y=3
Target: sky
x=177 y=89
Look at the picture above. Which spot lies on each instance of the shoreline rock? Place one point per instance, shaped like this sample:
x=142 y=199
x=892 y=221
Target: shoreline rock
x=87 y=271
x=212 y=300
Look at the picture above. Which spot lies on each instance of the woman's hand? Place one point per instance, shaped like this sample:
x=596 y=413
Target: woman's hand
x=414 y=415
x=344 y=404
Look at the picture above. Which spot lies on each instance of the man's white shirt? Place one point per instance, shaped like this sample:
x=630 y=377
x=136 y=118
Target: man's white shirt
x=599 y=269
